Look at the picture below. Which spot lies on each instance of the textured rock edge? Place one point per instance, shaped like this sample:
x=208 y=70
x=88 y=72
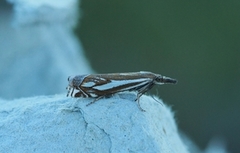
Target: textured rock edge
x=62 y=124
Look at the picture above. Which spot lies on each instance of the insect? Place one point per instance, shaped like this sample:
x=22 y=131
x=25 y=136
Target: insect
x=101 y=85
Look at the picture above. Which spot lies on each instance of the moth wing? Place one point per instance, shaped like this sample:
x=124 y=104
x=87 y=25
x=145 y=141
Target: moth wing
x=122 y=85
x=92 y=81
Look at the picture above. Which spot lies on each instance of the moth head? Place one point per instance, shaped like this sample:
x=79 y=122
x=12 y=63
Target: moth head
x=70 y=81
x=75 y=81
x=163 y=79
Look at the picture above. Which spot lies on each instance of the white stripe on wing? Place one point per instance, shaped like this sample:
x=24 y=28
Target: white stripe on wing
x=88 y=84
x=117 y=83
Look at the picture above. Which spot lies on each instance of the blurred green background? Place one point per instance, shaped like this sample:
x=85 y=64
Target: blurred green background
x=197 y=42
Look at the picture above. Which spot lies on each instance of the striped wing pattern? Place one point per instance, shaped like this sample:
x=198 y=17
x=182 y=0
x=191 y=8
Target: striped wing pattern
x=101 y=85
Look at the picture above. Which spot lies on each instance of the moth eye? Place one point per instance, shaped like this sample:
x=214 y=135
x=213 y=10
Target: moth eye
x=159 y=80
x=68 y=78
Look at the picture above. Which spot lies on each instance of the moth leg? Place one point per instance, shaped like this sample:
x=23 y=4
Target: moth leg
x=95 y=100
x=141 y=91
x=139 y=106
x=72 y=92
x=157 y=100
x=69 y=90
x=80 y=94
x=139 y=95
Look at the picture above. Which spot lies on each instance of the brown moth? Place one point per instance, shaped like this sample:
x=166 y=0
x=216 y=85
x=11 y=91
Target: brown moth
x=100 y=85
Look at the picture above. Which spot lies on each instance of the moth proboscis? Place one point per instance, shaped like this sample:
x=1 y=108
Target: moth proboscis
x=101 y=85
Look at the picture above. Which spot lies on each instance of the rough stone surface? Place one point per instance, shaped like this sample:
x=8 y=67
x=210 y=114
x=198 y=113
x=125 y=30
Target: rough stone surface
x=63 y=124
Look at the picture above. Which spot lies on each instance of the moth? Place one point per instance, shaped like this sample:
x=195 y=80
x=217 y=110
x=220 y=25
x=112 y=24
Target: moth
x=101 y=85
